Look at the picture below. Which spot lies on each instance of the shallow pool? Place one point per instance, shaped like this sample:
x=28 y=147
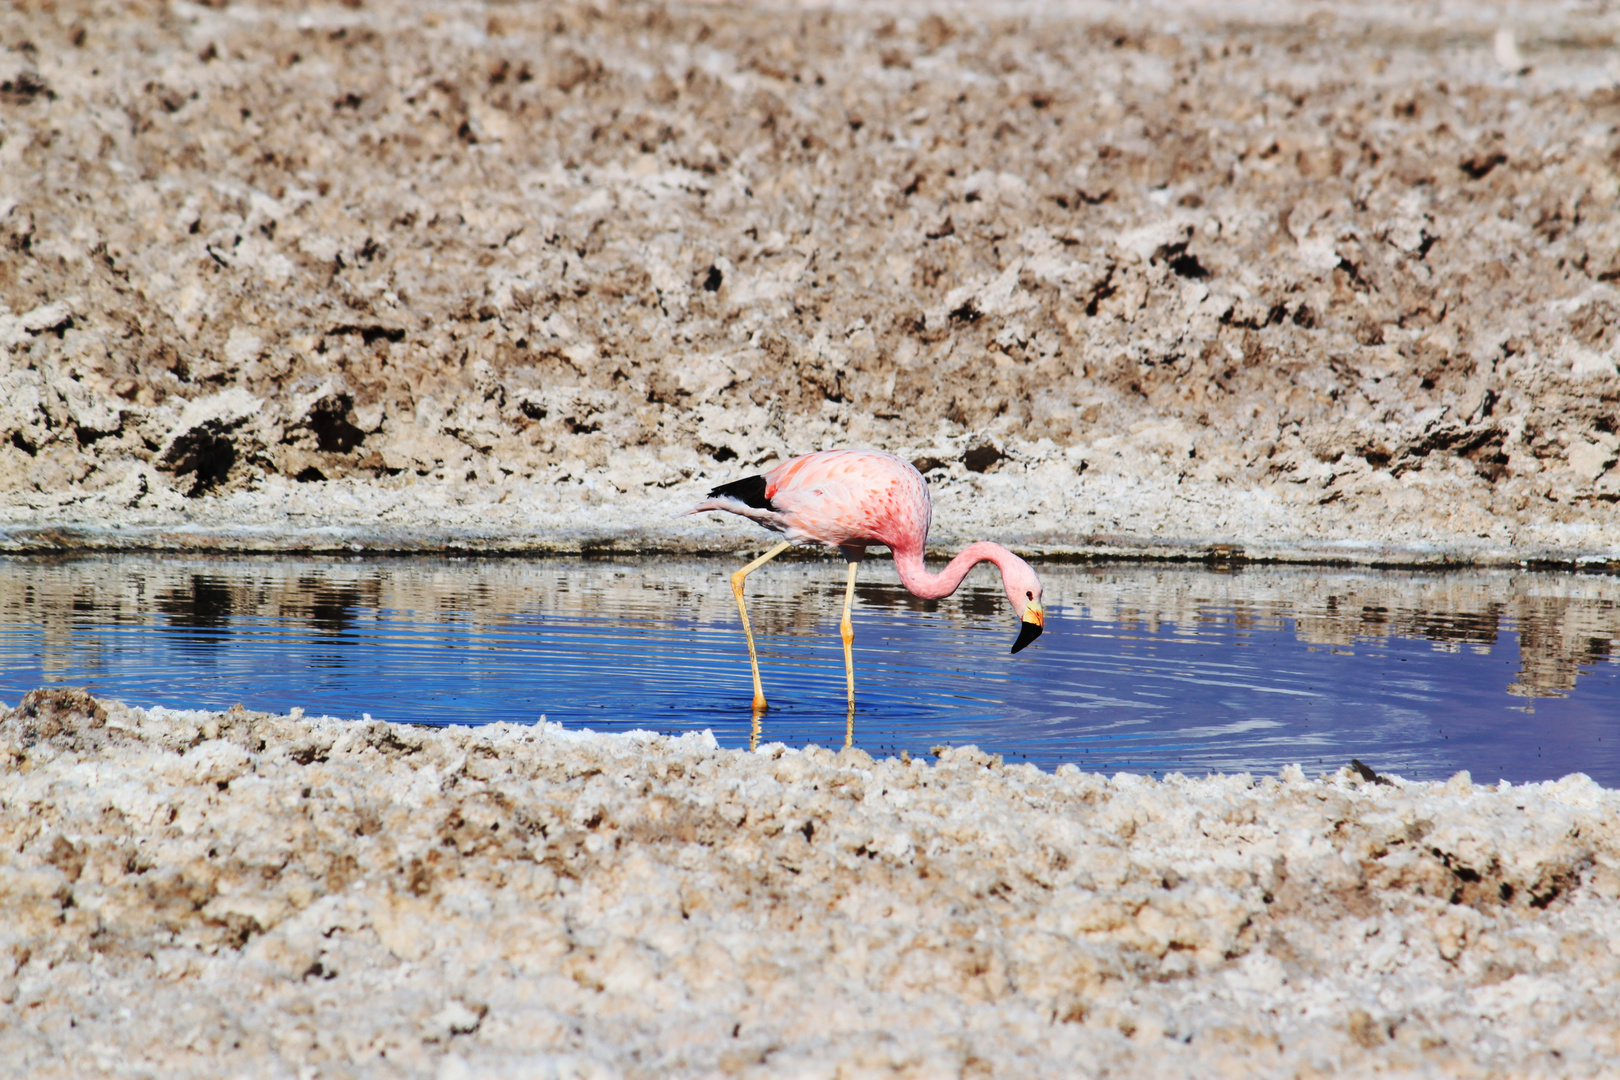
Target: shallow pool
x=1147 y=668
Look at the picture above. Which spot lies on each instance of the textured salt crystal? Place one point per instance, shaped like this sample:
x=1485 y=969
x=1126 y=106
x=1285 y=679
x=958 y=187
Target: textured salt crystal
x=206 y=893
x=1276 y=280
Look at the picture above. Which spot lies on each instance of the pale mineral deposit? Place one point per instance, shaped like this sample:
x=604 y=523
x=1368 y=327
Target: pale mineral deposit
x=195 y=894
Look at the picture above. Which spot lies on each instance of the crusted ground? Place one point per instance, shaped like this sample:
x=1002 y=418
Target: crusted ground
x=195 y=894
x=1327 y=274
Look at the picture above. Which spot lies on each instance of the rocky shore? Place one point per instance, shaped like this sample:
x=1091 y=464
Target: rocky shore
x=1298 y=281
x=194 y=894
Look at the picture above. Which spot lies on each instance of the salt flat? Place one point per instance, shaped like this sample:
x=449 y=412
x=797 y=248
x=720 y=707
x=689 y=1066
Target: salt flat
x=1302 y=281
x=1315 y=281
x=198 y=894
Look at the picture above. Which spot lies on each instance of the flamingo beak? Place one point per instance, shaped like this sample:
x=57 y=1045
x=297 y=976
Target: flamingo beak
x=1034 y=623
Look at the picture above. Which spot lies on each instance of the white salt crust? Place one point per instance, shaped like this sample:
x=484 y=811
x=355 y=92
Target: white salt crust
x=1293 y=281
x=204 y=894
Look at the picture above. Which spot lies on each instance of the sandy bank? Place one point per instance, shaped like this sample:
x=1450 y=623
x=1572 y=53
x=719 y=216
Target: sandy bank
x=191 y=894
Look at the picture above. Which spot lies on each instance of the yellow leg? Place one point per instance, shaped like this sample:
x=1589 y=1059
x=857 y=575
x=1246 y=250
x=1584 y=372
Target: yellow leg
x=846 y=630
x=737 y=580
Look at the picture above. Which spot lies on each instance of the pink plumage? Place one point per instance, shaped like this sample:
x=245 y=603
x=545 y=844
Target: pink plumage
x=838 y=498
x=851 y=500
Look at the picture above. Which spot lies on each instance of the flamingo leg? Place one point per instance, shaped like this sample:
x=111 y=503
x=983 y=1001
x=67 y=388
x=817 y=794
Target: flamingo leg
x=737 y=580
x=846 y=630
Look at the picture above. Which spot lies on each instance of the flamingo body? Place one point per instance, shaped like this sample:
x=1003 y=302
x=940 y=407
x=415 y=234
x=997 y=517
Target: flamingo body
x=836 y=498
x=852 y=499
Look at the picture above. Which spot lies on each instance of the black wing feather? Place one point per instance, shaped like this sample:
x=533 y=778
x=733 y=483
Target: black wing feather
x=750 y=491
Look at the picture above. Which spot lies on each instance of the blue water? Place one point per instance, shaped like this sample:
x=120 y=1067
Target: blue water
x=1143 y=668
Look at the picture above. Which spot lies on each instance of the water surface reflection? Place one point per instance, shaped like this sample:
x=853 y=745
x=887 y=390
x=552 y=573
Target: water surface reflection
x=1148 y=668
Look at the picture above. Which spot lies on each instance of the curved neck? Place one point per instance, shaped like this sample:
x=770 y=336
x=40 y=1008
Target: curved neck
x=916 y=578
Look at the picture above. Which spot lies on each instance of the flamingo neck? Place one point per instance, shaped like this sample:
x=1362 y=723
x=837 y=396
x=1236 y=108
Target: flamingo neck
x=916 y=578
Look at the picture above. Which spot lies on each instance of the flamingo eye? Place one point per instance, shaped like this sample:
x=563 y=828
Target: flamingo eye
x=1030 y=595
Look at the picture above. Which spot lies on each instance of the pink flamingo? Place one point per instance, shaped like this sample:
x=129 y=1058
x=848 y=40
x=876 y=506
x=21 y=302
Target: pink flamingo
x=850 y=499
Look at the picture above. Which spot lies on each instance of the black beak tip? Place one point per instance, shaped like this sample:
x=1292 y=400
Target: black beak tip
x=1027 y=632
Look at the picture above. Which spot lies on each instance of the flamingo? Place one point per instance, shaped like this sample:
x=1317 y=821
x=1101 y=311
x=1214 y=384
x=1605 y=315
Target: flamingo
x=850 y=500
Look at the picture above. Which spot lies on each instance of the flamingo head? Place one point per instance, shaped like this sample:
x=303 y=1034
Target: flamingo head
x=1024 y=591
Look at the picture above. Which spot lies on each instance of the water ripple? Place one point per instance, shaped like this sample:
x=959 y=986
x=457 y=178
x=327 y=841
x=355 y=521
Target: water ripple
x=1142 y=669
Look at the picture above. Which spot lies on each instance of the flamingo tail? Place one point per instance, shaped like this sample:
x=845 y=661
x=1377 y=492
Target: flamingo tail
x=745 y=498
